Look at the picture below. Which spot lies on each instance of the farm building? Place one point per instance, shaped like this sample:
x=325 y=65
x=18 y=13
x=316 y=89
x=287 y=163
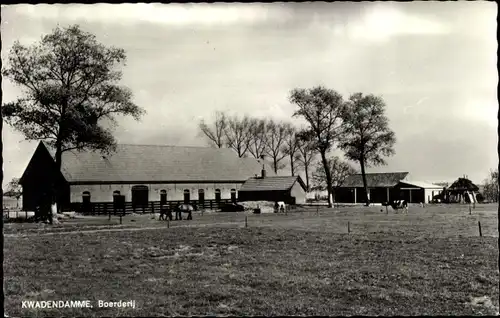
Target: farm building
x=140 y=173
x=461 y=191
x=290 y=190
x=418 y=192
x=383 y=187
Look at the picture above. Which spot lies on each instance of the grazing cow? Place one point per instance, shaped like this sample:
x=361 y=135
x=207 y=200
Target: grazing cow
x=398 y=204
x=280 y=207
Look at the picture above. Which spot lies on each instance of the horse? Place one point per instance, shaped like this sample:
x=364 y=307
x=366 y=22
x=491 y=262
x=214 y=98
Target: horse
x=184 y=208
x=165 y=212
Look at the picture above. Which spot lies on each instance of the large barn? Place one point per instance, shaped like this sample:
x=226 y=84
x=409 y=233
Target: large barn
x=384 y=187
x=140 y=173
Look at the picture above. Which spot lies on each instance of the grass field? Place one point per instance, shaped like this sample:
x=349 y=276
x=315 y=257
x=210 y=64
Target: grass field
x=430 y=262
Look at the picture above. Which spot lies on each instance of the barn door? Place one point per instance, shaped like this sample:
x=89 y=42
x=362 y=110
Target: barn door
x=187 y=196
x=201 y=197
x=140 y=195
x=163 y=197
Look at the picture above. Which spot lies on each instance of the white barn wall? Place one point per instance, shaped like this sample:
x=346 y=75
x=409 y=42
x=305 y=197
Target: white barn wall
x=298 y=192
x=428 y=194
x=175 y=192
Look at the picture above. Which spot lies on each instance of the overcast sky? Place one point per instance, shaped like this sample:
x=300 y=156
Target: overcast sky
x=434 y=63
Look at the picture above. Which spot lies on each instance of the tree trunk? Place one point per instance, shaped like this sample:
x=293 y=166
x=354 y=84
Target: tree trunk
x=54 y=180
x=328 y=177
x=306 y=170
x=275 y=165
x=291 y=165
x=365 y=185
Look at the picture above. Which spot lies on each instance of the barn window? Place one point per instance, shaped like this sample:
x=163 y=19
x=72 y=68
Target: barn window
x=163 y=197
x=187 y=196
x=201 y=196
x=233 y=195
x=217 y=195
x=116 y=192
x=86 y=197
x=140 y=195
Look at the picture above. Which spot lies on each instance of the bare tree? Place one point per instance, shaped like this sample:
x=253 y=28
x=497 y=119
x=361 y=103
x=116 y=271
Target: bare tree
x=291 y=148
x=215 y=134
x=339 y=171
x=491 y=187
x=238 y=134
x=275 y=143
x=323 y=109
x=258 y=137
x=306 y=155
x=367 y=136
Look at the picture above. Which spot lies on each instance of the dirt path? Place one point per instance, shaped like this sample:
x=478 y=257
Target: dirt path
x=118 y=229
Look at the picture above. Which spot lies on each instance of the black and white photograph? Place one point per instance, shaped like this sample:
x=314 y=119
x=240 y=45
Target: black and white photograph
x=250 y=159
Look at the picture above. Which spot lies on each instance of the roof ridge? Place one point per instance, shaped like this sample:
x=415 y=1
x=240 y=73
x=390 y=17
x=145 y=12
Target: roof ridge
x=160 y=145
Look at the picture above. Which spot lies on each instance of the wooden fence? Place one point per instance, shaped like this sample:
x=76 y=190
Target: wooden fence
x=99 y=208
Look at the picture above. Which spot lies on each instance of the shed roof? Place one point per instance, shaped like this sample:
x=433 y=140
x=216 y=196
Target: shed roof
x=373 y=180
x=276 y=183
x=142 y=163
x=463 y=184
x=422 y=185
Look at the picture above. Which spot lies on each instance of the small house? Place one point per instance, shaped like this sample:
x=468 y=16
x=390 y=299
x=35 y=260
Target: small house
x=289 y=189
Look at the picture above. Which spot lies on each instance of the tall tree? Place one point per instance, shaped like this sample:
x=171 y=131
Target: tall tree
x=291 y=148
x=258 y=137
x=70 y=90
x=238 y=134
x=275 y=143
x=367 y=136
x=14 y=189
x=306 y=155
x=215 y=134
x=323 y=109
x=339 y=171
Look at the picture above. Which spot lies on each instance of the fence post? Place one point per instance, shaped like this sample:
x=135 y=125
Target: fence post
x=168 y=223
x=246 y=221
x=317 y=210
x=386 y=210
x=470 y=210
x=121 y=218
x=211 y=203
x=152 y=207
x=348 y=227
x=480 y=231
x=109 y=215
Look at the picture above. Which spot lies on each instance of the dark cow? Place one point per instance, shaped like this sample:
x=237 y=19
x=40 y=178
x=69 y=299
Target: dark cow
x=398 y=205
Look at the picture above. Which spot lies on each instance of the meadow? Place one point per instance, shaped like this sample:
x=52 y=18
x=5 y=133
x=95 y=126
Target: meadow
x=342 y=261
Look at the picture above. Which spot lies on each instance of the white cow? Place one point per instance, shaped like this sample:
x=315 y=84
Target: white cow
x=280 y=206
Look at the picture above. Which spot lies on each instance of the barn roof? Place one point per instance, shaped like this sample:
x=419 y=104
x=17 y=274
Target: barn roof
x=385 y=179
x=276 y=183
x=143 y=163
x=423 y=185
x=463 y=184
